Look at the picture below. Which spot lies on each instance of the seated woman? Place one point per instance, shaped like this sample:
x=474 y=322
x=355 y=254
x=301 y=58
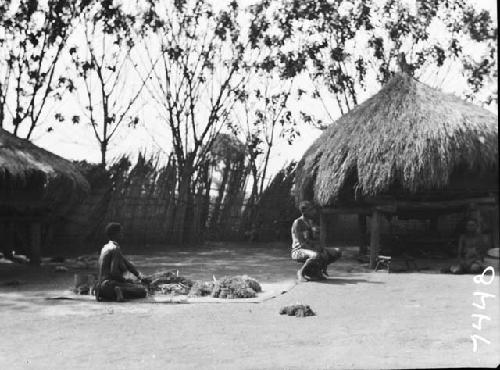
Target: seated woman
x=304 y=247
x=112 y=265
x=471 y=250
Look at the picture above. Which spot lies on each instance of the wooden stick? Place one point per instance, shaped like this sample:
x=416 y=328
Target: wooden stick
x=374 y=238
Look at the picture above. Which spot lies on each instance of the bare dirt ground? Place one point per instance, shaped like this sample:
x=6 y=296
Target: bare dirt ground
x=364 y=319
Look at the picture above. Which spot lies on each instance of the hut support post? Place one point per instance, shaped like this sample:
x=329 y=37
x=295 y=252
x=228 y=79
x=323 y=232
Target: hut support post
x=322 y=229
x=362 y=234
x=35 y=241
x=374 y=237
x=494 y=230
x=8 y=239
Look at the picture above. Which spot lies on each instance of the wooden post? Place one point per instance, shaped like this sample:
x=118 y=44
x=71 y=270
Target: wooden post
x=374 y=237
x=322 y=229
x=362 y=234
x=35 y=243
x=8 y=239
x=494 y=229
x=3 y=237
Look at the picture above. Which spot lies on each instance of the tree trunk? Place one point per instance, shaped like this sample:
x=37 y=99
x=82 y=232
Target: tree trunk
x=181 y=207
x=2 y=110
x=205 y=201
x=104 y=149
x=363 y=235
x=232 y=199
x=264 y=170
x=254 y=195
x=214 y=219
x=248 y=217
x=171 y=184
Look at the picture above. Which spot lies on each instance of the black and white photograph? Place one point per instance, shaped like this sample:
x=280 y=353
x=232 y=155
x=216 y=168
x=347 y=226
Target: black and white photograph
x=249 y=184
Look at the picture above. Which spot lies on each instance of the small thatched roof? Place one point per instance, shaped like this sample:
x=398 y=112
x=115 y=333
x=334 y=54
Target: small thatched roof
x=227 y=146
x=408 y=136
x=32 y=175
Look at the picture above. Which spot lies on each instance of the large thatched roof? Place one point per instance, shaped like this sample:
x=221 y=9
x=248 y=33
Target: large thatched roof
x=35 y=176
x=408 y=136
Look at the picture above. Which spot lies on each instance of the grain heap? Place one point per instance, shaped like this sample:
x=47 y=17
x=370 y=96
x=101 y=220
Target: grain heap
x=241 y=286
x=201 y=288
x=167 y=282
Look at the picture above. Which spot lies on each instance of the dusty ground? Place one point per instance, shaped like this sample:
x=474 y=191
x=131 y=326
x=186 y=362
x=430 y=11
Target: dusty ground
x=364 y=320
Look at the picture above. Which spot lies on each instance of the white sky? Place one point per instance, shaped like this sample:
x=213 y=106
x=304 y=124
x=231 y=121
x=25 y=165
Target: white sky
x=77 y=141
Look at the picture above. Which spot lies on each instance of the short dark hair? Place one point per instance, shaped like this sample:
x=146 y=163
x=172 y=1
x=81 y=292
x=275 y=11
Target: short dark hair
x=305 y=205
x=113 y=229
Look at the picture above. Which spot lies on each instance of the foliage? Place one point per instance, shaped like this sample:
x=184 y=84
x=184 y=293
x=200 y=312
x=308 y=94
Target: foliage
x=33 y=35
x=199 y=61
x=340 y=44
x=101 y=69
x=196 y=55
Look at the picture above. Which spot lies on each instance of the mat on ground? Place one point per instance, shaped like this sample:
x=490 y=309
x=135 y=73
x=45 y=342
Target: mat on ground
x=269 y=291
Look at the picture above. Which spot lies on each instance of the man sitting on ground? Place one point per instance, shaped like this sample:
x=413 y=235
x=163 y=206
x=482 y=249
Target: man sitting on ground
x=304 y=246
x=111 y=284
x=471 y=250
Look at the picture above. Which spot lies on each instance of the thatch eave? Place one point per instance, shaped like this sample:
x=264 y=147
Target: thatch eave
x=33 y=178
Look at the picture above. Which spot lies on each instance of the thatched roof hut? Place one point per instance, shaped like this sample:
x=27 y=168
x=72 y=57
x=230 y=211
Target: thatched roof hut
x=35 y=185
x=409 y=142
x=407 y=139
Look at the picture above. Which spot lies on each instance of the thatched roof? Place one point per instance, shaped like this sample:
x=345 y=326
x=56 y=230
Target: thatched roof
x=33 y=175
x=227 y=146
x=408 y=136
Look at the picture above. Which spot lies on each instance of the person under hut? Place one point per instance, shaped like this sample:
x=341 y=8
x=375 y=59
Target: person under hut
x=305 y=247
x=112 y=265
x=471 y=250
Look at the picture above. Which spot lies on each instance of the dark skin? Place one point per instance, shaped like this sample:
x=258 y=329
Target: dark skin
x=118 y=238
x=308 y=214
x=471 y=249
x=470 y=244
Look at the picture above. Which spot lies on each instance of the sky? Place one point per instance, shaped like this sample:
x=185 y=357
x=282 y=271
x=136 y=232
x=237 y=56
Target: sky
x=76 y=142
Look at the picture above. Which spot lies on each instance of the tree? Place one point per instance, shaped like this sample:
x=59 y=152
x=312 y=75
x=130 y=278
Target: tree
x=103 y=67
x=227 y=157
x=343 y=45
x=264 y=118
x=202 y=67
x=32 y=37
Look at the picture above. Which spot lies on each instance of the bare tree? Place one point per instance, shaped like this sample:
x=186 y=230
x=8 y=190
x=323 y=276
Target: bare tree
x=203 y=67
x=264 y=118
x=105 y=92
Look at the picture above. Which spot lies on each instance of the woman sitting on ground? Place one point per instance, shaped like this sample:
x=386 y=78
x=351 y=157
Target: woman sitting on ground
x=305 y=247
x=471 y=250
x=112 y=265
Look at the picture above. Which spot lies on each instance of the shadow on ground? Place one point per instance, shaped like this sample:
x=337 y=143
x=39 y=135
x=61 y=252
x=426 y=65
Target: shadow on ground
x=340 y=281
x=268 y=263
